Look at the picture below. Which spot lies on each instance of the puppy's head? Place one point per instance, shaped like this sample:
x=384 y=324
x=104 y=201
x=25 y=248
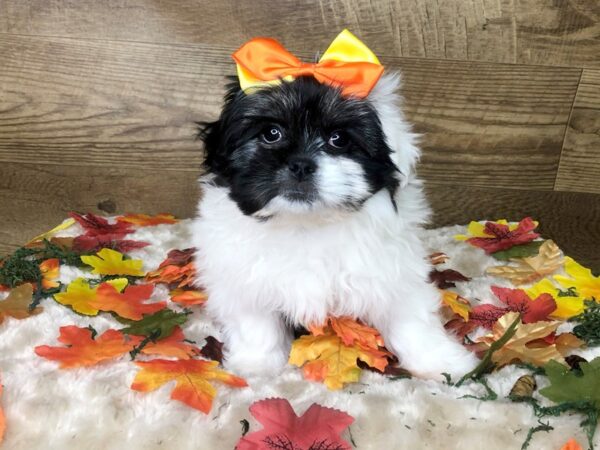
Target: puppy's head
x=299 y=147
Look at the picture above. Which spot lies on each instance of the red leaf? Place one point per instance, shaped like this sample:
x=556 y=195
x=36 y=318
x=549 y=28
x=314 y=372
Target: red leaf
x=213 y=349
x=531 y=310
x=501 y=238
x=459 y=327
x=85 y=243
x=96 y=226
x=486 y=315
x=178 y=258
x=445 y=279
x=318 y=426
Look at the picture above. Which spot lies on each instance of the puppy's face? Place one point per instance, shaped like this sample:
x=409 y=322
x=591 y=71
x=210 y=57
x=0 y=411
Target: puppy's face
x=298 y=147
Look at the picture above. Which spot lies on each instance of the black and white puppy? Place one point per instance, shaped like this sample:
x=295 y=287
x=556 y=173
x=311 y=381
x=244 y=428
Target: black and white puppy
x=311 y=208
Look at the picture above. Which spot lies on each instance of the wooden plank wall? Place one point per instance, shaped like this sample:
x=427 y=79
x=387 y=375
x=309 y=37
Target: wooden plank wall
x=98 y=100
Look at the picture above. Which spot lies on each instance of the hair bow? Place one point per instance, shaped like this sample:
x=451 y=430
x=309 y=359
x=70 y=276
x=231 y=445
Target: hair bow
x=347 y=64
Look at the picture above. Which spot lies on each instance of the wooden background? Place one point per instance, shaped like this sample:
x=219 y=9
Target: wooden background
x=98 y=100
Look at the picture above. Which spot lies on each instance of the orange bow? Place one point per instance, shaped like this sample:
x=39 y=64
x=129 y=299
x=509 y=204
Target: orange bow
x=347 y=64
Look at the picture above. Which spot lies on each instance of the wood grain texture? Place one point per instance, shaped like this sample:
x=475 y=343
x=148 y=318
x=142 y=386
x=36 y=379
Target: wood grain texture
x=565 y=32
x=579 y=168
x=124 y=104
x=571 y=219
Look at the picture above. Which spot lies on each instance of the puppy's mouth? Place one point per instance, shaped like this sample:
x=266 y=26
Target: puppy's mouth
x=299 y=192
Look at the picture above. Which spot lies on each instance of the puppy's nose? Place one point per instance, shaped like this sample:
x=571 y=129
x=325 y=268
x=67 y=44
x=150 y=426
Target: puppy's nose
x=301 y=167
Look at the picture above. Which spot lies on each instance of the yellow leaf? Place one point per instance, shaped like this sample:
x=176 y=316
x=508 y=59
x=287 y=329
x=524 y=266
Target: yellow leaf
x=517 y=349
x=111 y=262
x=457 y=304
x=529 y=269
x=80 y=296
x=566 y=306
x=581 y=278
x=326 y=358
x=63 y=226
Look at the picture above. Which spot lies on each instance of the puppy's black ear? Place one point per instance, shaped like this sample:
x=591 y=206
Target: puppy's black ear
x=212 y=134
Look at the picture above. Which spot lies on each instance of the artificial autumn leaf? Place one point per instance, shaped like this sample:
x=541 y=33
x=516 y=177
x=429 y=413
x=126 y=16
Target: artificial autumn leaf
x=516 y=300
x=517 y=349
x=213 y=349
x=459 y=305
x=566 y=305
x=317 y=428
x=178 y=257
x=569 y=386
x=532 y=268
x=350 y=331
x=88 y=244
x=186 y=297
x=438 y=258
x=144 y=220
x=49 y=270
x=498 y=236
x=129 y=304
x=111 y=262
x=65 y=243
x=95 y=225
x=193 y=379
x=173 y=346
x=157 y=326
x=181 y=276
x=459 y=327
x=519 y=251
x=83 y=350
x=82 y=298
x=16 y=305
x=445 y=279
x=571 y=444
x=62 y=226
x=327 y=359
x=2 y=418
x=477 y=229
x=581 y=278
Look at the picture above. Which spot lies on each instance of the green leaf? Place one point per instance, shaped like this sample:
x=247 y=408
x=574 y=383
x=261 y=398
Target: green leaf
x=156 y=326
x=569 y=386
x=519 y=251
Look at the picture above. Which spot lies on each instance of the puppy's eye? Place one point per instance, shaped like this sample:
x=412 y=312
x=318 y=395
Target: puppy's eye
x=272 y=134
x=339 y=139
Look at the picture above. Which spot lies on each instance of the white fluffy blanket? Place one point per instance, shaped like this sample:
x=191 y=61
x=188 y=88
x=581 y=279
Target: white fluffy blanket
x=94 y=408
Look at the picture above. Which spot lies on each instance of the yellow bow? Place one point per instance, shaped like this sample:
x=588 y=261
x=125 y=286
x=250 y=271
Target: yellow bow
x=347 y=64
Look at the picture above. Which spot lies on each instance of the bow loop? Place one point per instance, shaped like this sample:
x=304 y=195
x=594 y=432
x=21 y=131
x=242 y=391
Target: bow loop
x=347 y=64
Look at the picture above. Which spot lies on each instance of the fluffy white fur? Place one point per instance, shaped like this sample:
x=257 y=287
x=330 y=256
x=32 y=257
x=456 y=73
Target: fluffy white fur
x=309 y=262
x=94 y=409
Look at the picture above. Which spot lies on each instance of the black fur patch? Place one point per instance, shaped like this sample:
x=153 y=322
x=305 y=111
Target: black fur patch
x=307 y=112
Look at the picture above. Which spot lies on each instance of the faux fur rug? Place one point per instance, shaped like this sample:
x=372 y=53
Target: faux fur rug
x=94 y=408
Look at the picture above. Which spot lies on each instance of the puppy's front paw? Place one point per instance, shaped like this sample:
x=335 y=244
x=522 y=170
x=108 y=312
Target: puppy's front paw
x=248 y=362
x=456 y=364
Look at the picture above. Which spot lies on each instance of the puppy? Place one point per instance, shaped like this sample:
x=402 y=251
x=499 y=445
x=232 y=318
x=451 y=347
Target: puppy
x=311 y=208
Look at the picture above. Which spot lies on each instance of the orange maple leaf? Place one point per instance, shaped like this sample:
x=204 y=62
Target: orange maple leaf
x=171 y=274
x=188 y=297
x=572 y=444
x=144 y=220
x=2 y=418
x=17 y=303
x=49 y=270
x=174 y=346
x=193 y=378
x=128 y=304
x=350 y=332
x=83 y=350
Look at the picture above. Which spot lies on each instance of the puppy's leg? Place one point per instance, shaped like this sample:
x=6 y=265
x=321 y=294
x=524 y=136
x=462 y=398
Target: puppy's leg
x=414 y=332
x=255 y=342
